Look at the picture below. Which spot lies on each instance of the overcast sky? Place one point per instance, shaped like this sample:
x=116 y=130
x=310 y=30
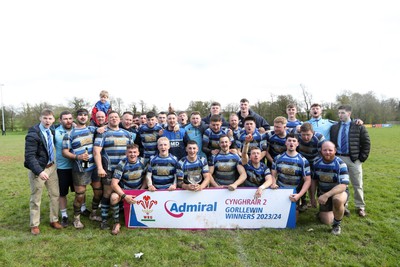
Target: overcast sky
x=178 y=51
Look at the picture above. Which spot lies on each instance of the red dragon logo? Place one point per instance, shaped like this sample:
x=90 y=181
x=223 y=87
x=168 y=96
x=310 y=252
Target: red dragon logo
x=147 y=204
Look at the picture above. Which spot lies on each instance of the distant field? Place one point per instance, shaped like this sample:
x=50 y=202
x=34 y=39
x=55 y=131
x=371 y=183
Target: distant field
x=370 y=241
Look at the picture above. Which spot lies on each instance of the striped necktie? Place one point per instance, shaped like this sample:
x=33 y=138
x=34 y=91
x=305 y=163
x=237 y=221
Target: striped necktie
x=343 y=139
x=50 y=146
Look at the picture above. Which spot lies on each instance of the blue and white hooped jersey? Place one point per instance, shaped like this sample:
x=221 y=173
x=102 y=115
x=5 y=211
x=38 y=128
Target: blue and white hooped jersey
x=77 y=141
x=311 y=149
x=293 y=124
x=225 y=168
x=276 y=144
x=131 y=175
x=212 y=138
x=255 y=176
x=149 y=137
x=163 y=171
x=114 y=144
x=257 y=139
x=187 y=168
x=290 y=170
x=330 y=174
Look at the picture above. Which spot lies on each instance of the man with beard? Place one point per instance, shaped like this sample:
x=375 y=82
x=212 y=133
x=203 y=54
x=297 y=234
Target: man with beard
x=109 y=149
x=78 y=146
x=275 y=141
x=290 y=169
x=331 y=177
x=212 y=136
x=64 y=165
x=234 y=124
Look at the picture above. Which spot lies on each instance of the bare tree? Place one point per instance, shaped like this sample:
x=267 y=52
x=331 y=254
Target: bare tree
x=232 y=108
x=133 y=107
x=117 y=104
x=142 y=106
x=307 y=98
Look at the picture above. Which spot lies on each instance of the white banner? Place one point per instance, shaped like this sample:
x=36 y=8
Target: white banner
x=210 y=208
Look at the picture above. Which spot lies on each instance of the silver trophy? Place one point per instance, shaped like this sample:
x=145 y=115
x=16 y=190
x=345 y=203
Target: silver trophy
x=194 y=178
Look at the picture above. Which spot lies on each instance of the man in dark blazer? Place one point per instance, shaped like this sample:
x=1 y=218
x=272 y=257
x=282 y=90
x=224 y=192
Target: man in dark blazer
x=353 y=146
x=40 y=160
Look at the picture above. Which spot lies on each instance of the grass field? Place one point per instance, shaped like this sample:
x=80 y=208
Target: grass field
x=370 y=241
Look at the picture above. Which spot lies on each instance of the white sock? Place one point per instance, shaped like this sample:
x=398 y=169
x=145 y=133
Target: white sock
x=64 y=213
x=83 y=207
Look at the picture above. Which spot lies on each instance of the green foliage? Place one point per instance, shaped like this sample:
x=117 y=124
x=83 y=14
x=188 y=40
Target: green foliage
x=370 y=109
x=370 y=241
x=275 y=108
x=365 y=106
x=200 y=106
x=78 y=103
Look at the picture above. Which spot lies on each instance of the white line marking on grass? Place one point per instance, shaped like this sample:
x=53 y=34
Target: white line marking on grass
x=242 y=253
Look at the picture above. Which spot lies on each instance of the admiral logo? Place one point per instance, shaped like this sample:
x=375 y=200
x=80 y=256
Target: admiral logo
x=177 y=211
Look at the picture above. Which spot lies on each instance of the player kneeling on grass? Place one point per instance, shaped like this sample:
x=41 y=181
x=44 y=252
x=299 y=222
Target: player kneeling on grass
x=331 y=176
x=129 y=174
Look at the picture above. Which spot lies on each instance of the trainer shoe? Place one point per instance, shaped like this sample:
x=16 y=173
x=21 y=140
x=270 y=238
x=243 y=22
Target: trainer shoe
x=104 y=225
x=336 y=229
x=85 y=213
x=64 y=221
x=94 y=217
x=77 y=223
